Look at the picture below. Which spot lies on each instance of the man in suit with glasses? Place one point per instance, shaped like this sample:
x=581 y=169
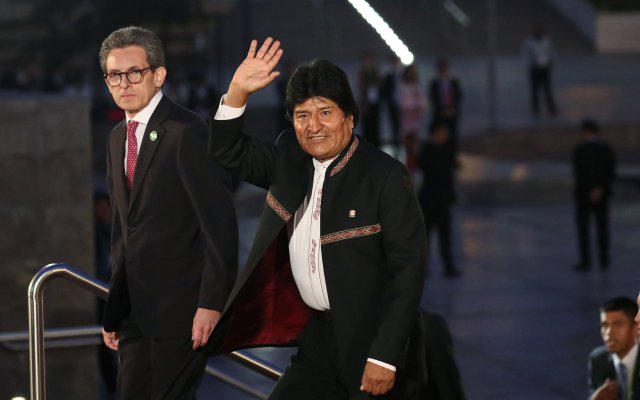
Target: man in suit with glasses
x=174 y=240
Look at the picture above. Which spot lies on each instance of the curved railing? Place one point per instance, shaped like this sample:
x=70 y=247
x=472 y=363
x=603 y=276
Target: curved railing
x=100 y=289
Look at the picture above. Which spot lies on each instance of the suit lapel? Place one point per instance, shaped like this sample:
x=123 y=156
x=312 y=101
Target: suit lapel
x=153 y=135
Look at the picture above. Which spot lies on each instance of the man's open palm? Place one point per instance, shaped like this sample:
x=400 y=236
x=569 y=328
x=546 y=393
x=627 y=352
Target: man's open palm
x=256 y=71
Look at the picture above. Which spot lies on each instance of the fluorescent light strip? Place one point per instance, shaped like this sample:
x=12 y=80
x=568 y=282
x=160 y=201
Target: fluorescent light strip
x=384 y=30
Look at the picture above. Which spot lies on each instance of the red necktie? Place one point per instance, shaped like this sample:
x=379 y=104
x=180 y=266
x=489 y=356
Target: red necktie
x=132 y=151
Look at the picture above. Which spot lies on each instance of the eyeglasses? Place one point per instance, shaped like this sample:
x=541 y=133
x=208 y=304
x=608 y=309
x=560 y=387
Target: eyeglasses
x=133 y=76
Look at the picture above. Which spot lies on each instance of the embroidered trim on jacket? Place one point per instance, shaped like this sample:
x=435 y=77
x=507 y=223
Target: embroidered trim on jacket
x=350 y=234
x=277 y=207
x=346 y=157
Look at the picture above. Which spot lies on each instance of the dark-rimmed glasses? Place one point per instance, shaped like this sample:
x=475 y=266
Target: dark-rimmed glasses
x=133 y=76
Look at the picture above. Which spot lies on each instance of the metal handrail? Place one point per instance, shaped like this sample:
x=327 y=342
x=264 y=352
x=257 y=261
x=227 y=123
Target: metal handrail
x=54 y=333
x=100 y=289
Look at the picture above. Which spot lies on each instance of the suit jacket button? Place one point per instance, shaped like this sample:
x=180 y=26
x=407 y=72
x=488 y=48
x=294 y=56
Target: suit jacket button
x=131 y=229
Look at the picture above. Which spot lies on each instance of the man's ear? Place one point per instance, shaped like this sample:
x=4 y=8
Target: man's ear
x=159 y=76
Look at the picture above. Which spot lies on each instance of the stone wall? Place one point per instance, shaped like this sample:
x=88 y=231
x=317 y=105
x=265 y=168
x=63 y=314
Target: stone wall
x=618 y=33
x=46 y=216
x=610 y=32
x=581 y=13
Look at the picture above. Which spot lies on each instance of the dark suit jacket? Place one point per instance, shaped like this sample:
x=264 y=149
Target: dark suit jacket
x=601 y=367
x=593 y=165
x=174 y=237
x=437 y=105
x=374 y=261
x=437 y=165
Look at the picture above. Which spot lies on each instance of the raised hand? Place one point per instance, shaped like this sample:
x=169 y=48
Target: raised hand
x=255 y=72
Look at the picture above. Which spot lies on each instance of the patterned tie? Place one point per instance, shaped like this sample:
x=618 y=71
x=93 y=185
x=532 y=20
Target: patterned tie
x=622 y=381
x=132 y=151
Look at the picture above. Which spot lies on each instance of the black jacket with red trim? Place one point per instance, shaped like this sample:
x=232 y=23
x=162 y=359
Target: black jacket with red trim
x=373 y=248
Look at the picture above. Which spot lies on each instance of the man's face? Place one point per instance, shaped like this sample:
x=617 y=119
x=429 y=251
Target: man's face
x=441 y=135
x=133 y=97
x=618 y=332
x=443 y=69
x=585 y=135
x=322 y=128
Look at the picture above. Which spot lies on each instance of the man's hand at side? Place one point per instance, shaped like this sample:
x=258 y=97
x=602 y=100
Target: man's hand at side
x=255 y=72
x=203 y=324
x=110 y=339
x=377 y=379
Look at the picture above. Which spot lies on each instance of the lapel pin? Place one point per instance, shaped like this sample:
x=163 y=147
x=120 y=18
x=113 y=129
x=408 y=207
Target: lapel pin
x=153 y=136
x=352 y=213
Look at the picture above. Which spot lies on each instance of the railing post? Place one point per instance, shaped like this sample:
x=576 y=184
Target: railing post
x=36 y=330
x=36 y=320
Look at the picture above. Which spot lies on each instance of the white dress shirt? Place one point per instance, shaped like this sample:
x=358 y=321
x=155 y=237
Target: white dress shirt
x=306 y=258
x=142 y=118
x=304 y=244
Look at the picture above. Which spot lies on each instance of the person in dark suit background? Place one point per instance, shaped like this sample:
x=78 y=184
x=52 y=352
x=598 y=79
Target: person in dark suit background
x=437 y=193
x=389 y=96
x=613 y=368
x=174 y=235
x=445 y=97
x=102 y=218
x=369 y=81
x=594 y=169
x=337 y=264
x=281 y=87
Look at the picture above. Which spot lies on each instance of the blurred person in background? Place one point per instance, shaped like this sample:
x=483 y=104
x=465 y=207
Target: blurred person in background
x=444 y=381
x=369 y=82
x=202 y=94
x=437 y=193
x=538 y=54
x=413 y=104
x=445 y=96
x=594 y=169
x=102 y=218
x=389 y=96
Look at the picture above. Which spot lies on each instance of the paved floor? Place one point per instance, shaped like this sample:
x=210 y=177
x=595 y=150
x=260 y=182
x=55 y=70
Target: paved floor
x=523 y=323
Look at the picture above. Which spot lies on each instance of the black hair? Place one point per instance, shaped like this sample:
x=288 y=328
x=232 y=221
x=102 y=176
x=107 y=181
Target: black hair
x=589 y=125
x=624 y=304
x=324 y=79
